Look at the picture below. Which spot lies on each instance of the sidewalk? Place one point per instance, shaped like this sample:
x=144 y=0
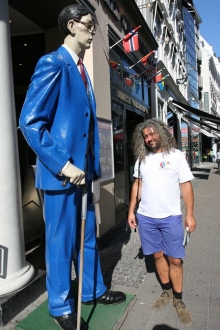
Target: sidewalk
x=125 y=268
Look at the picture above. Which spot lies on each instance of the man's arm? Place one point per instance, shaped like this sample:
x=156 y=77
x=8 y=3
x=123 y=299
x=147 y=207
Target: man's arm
x=38 y=113
x=188 y=198
x=131 y=216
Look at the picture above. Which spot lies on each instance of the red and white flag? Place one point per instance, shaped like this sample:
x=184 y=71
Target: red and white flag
x=113 y=64
x=128 y=82
x=143 y=59
x=158 y=77
x=130 y=41
x=146 y=57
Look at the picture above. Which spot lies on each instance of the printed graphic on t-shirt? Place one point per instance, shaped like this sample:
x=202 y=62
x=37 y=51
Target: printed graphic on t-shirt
x=165 y=165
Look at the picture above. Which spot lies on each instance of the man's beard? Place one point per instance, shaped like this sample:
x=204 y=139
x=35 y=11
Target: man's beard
x=154 y=148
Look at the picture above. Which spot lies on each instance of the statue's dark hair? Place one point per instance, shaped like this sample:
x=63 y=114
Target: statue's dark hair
x=168 y=142
x=68 y=13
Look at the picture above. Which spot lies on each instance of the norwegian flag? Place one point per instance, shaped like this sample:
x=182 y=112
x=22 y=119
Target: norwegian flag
x=130 y=41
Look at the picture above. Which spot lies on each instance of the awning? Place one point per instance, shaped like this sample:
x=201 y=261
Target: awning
x=203 y=131
x=204 y=124
x=202 y=114
x=204 y=119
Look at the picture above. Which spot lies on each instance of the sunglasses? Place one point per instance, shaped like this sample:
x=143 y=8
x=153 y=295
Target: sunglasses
x=90 y=26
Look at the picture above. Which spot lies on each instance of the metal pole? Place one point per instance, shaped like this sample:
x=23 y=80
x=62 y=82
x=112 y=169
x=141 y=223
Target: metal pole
x=83 y=217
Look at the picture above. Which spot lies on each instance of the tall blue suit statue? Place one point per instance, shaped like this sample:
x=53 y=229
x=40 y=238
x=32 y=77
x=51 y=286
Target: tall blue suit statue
x=59 y=122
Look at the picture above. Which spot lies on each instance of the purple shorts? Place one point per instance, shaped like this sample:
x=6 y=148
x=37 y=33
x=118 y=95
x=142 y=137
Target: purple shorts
x=164 y=234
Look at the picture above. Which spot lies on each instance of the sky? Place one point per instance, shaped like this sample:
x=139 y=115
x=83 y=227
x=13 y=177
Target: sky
x=209 y=11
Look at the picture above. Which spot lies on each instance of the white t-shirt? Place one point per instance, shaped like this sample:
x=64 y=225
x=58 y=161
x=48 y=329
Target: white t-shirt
x=218 y=155
x=161 y=175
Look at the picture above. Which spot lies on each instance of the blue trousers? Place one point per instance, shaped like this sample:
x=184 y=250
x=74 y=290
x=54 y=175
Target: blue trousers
x=62 y=212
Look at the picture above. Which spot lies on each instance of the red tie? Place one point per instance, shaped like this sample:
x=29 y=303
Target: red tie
x=82 y=71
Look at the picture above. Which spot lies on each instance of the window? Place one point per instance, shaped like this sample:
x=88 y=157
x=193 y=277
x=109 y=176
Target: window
x=115 y=68
x=119 y=155
x=160 y=110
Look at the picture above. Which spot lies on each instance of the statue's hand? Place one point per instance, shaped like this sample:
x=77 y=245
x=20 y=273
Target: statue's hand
x=76 y=175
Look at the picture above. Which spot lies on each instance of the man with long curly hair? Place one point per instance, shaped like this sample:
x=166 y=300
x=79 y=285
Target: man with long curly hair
x=159 y=172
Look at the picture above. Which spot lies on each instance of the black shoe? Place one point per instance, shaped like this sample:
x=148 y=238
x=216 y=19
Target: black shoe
x=108 y=298
x=69 y=322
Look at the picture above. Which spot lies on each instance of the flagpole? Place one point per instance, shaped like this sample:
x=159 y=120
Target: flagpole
x=147 y=56
x=116 y=43
x=154 y=74
x=165 y=77
x=134 y=64
x=142 y=73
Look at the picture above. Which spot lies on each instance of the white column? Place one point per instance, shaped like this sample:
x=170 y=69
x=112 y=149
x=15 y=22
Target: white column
x=15 y=272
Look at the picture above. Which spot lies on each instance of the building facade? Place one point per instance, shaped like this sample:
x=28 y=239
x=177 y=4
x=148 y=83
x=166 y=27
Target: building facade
x=210 y=95
x=175 y=26
x=120 y=83
x=127 y=92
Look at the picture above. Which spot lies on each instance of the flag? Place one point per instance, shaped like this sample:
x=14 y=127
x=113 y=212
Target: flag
x=130 y=41
x=113 y=64
x=130 y=34
x=145 y=58
x=136 y=86
x=158 y=77
x=160 y=83
x=151 y=71
x=128 y=82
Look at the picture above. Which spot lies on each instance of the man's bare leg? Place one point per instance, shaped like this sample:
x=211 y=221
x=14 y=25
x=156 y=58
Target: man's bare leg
x=176 y=277
x=162 y=267
x=176 y=273
x=163 y=272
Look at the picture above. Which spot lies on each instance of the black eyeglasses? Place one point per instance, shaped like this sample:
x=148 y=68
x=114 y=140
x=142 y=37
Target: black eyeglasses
x=90 y=26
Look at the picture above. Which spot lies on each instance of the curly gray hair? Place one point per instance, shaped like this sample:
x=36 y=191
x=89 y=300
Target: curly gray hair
x=140 y=150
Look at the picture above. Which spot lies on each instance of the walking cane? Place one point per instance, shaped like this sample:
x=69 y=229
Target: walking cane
x=83 y=217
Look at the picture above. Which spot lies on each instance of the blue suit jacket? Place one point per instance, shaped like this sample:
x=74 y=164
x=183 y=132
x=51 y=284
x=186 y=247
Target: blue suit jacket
x=55 y=118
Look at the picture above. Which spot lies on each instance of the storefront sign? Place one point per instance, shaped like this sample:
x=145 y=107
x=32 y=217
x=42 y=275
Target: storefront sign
x=130 y=100
x=206 y=101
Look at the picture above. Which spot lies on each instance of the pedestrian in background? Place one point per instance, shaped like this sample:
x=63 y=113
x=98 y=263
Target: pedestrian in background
x=212 y=155
x=163 y=169
x=59 y=122
x=197 y=156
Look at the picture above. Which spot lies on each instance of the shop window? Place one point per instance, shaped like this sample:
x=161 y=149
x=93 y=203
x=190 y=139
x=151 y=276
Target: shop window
x=119 y=154
x=184 y=139
x=160 y=110
x=115 y=68
x=170 y=120
x=132 y=81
